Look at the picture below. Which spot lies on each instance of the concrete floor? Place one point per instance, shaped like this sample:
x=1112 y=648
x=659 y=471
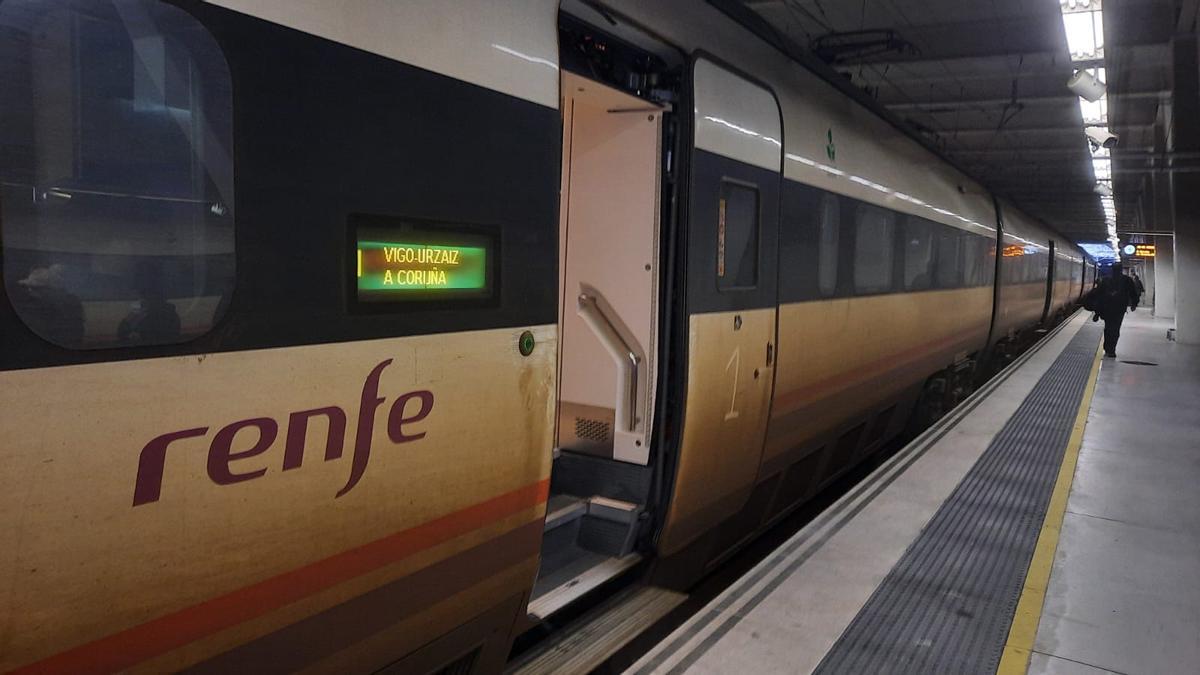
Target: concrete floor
x=785 y=614
x=1124 y=594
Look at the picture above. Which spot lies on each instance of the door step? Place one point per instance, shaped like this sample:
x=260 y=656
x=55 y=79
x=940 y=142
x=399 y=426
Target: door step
x=578 y=585
x=563 y=509
x=600 y=633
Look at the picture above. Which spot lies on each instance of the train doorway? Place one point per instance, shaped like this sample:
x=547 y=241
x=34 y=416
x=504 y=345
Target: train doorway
x=614 y=136
x=608 y=276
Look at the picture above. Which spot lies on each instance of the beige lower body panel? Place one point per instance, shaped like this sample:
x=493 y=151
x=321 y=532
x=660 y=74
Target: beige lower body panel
x=252 y=522
x=727 y=404
x=841 y=359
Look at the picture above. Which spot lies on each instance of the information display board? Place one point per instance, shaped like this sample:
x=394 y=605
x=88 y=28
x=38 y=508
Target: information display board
x=399 y=261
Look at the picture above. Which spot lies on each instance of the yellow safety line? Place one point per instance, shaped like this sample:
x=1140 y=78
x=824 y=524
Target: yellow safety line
x=1023 y=633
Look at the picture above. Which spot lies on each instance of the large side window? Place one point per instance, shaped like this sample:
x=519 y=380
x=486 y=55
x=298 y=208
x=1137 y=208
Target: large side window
x=737 y=237
x=116 y=209
x=970 y=259
x=873 y=249
x=827 y=246
x=918 y=254
x=949 y=259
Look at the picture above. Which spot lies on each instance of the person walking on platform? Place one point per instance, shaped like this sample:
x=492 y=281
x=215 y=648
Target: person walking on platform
x=1109 y=299
x=1141 y=288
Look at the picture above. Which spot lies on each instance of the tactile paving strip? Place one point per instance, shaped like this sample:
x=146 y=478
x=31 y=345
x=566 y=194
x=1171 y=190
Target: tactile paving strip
x=947 y=605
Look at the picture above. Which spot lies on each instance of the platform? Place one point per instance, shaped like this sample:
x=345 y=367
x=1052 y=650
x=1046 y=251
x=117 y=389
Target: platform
x=1050 y=523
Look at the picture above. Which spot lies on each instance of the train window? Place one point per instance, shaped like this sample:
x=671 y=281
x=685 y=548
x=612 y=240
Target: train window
x=1008 y=266
x=918 y=254
x=737 y=237
x=827 y=246
x=116 y=180
x=873 y=249
x=972 y=260
x=974 y=250
x=949 y=260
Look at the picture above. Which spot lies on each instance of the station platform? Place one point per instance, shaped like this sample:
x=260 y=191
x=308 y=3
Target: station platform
x=1049 y=524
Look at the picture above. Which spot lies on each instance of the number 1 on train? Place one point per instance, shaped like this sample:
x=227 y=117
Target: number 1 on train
x=735 y=361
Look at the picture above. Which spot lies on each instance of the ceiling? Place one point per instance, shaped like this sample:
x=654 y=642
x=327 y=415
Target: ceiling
x=984 y=81
x=1139 y=59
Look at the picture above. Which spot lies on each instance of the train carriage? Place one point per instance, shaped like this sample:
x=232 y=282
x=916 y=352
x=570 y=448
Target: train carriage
x=347 y=336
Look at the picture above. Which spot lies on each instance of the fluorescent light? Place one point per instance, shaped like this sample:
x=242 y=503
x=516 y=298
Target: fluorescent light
x=1085 y=32
x=1083 y=23
x=1094 y=112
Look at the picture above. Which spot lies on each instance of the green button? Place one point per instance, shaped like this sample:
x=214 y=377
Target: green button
x=525 y=344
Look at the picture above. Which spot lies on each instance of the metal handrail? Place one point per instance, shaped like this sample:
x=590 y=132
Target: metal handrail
x=624 y=355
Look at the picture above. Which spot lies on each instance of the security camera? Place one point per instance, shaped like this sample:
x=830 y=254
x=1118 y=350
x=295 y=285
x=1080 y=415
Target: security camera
x=1101 y=137
x=1085 y=85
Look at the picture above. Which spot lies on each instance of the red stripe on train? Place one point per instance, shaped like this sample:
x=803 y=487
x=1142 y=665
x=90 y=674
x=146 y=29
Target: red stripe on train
x=159 y=636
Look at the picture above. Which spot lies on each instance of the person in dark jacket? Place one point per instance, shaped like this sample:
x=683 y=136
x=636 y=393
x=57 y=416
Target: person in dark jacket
x=1114 y=294
x=1141 y=288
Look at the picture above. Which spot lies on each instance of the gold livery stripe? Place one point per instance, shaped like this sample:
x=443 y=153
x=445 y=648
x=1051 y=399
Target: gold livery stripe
x=153 y=638
x=302 y=644
x=794 y=400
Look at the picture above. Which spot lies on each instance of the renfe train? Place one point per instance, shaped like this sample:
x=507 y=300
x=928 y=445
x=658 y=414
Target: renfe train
x=342 y=336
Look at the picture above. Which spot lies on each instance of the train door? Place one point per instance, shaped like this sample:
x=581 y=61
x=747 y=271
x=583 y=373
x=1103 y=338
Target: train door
x=731 y=277
x=611 y=195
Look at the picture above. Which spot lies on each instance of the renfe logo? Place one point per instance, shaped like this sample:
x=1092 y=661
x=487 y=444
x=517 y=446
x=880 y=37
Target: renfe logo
x=148 y=485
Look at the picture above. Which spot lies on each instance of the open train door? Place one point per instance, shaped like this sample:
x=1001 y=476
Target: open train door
x=731 y=277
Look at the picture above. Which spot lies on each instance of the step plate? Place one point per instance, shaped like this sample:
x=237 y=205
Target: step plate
x=601 y=633
x=562 y=509
x=579 y=585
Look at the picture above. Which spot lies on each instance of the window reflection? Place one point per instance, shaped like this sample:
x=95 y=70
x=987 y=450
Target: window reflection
x=116 y=203
x=873 y=249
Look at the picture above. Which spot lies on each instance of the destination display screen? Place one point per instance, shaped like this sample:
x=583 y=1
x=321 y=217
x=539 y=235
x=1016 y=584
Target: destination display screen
x=407 y=263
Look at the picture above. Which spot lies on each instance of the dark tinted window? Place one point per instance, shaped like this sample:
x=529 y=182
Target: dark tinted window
x=115 y=170
x=737 y=237
x=949 y=258
x=978 y=264
x=874 y=245
x=827 y=246
x=918 y=253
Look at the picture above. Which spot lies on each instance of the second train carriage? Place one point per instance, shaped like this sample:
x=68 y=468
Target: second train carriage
x=526 y=295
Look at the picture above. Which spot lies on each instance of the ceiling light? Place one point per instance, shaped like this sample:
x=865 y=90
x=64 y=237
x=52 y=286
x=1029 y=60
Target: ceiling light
x=1085 y=33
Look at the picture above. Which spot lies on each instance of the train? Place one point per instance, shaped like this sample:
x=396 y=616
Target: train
x=363 y=336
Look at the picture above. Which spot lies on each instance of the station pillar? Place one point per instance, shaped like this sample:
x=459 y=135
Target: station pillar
x=1164 y=278
x=1185 y=188
x=1162 y=219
